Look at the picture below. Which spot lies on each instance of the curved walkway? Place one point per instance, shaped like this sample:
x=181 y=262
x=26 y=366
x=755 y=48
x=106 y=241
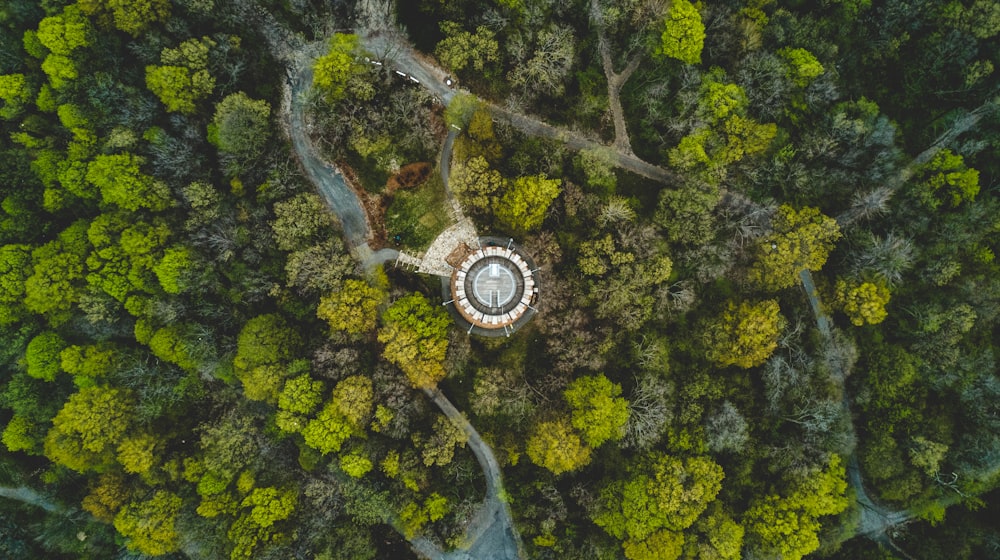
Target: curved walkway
x=328 y=179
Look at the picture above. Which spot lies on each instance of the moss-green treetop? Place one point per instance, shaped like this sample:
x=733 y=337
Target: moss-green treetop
x=598 y=411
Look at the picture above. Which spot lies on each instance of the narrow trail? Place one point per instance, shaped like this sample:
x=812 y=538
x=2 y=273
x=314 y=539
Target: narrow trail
x=32 y=497
x=877 y=521
x=615 y=80
x=959 y=127
x=390 y=47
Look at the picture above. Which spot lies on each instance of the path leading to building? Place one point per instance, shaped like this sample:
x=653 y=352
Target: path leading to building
x=491 y=534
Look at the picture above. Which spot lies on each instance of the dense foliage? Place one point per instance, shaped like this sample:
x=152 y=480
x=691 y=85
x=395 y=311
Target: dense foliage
x=765 y=232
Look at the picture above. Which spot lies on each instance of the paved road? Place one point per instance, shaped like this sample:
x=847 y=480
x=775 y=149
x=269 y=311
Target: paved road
x=327 y=178
x=491 y=534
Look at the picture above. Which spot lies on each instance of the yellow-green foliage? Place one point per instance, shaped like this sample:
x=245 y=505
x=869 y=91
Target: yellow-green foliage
x=803 y=67
x=150 y=525
x=352 y=308
x=355 y=465
x=661 y=496
x=683 y=34
x=745 y=334
x=556 y=447
x=522 y=208
x=802 y=239
x=415 y=336
x=598 y=411
x=336 y=72
x=15 y=93
x=947 y=181
x=298 y=399
x=787 y=527
x=88 y=428
x=138 y=454
x=42 y=356
x=863 y=302
x=461 y=49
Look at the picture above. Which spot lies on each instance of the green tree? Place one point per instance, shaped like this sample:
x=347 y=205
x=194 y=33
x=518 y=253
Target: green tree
x=131 y=16
x=175 y=269
x=42 y=356
x=716 y=536
x=15 y=269
x=787 y=527
x=600 y=256
x=598 y=411
x=301 y=221
x=862 y=302
x=329 y=430
x=927 y=455
x=175 y=344
x=150 y=525
x=298 y=399
x=353 y=398
x=415 y=335
x=88 y=364
x=178 y=87
x=63 y=33
x=352 y=308
x=803 y=67
x=661 y=492
x=265 y=339
x=60 y=69
x=439 y=449
x=461 y=109
x=802 y=239
x=15 y=94
x=598 y=166
x=318 y=268
x=946 y=181
x=685 y=215
x=355 y=466
x=240 y=129
x=122 y=183
x=340 y=73
x=683 y=33
x=57 y=274
x=137 y=454
x=661 y=545
x=265 y=347
x=88 y=428
x=20 y=435
x=476 y=184
x=523 y=207
x=744 y=335
x=556 y=447
x=460 y=49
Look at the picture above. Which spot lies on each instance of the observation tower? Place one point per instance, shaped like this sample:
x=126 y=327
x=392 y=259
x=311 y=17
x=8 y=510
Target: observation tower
x=493 y=287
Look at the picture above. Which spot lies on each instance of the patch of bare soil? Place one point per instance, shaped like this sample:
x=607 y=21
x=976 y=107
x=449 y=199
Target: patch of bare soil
x=409 y=176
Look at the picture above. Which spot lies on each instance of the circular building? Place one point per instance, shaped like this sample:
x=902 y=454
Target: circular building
x=493 y=287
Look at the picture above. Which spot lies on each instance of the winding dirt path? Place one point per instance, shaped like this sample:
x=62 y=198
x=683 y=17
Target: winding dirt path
x=615 y=80
x=393 y=49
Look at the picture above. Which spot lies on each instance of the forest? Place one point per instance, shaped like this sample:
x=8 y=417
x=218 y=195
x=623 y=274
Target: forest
x=765 y=232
